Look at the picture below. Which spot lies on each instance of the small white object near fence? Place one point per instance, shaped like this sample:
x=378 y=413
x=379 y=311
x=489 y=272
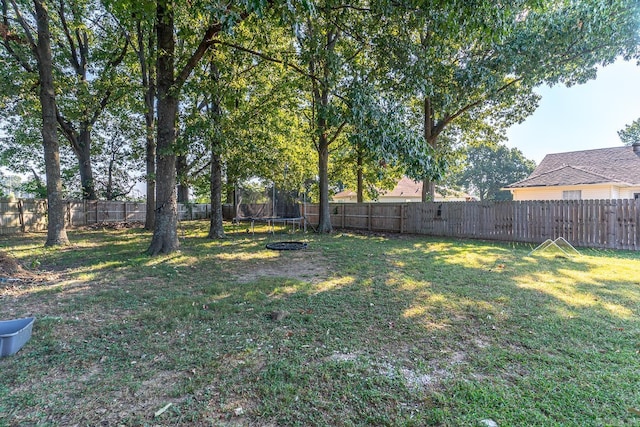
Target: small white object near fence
x=560 y=243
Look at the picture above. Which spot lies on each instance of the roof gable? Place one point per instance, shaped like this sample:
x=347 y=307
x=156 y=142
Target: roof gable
x=406 y=187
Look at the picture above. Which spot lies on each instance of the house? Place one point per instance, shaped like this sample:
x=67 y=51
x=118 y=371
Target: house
x=406 y=190
x=605 y=173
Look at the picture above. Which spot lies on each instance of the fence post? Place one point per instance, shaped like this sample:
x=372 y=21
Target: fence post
x=636 y=216
x=21 y=215
x=611 y=224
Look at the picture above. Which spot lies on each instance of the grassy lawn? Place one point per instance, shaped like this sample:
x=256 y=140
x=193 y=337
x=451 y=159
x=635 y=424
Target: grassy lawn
x=354 y=330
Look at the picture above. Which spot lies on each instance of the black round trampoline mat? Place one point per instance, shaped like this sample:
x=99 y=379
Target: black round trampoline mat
x=286 y=246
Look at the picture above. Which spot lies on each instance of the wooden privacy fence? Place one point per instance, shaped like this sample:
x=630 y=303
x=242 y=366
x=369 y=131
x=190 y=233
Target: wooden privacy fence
x=31 y=215
x=613 y=224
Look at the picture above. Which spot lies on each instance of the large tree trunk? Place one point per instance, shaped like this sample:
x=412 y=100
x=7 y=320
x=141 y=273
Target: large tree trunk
x=183 y=185
x=216 y=228
x=56 y=232
x=84 y=163
x=80 y=143
x=321 y=101
x=428 y=186
x=324 y=221
x=428 y=190
x=324 y=224
x=146 y=50
x=360 y=189
x=230 y=192
x=150 y=217
x=165 y=234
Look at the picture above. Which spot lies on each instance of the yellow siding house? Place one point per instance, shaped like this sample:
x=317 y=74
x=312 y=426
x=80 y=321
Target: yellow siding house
x=606 y=173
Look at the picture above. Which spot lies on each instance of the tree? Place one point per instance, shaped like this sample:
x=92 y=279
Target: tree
x=332 y=48
x=118 y=153
x=631 y=133
x=324 y=50
x=170 y=82
x=490 y=167
x=137 y=22
x=56 y=232
x=88 y=49
x=483 y=59
x=93 y=47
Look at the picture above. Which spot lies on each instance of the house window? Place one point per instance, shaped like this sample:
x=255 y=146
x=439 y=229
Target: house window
x=636 y=196
x=572 y=195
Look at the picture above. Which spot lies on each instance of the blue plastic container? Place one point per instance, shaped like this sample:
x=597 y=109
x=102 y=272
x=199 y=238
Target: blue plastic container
x=14 y=334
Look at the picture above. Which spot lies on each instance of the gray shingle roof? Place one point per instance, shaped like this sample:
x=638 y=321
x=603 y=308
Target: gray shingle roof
x=605 y=165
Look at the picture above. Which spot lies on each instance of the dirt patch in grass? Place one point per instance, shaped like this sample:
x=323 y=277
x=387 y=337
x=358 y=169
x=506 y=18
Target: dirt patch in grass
x=14 y=278
x=301 y=265
x=12 y=271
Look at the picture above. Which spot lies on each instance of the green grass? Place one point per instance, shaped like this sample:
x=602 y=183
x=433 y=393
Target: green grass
x=374 y=330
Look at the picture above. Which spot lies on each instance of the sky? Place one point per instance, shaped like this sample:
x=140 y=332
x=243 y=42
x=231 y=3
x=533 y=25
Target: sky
x=581 y=117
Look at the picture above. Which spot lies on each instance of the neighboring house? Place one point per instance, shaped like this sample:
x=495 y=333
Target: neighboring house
x=405 y=191
x=605 y=173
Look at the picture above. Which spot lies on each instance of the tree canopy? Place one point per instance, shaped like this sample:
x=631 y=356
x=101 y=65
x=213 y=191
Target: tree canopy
x=360 y=92
x=631 y=133
x=490 y=167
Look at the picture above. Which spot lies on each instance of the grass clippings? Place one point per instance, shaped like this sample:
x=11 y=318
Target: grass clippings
x=354 y=330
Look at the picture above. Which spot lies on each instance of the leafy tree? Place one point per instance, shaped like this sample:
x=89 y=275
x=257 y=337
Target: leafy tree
x=490 y=167
x=137 y=22
x=88 y=50
x=56 y=232
x=118 y=155
x=242 y=109
x=333 y=53
x=171 y=77
x=481 y=60
x=631 y=133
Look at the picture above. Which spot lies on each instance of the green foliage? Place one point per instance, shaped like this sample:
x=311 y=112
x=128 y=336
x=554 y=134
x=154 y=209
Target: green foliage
x=490 y=167
x=88 y=50
x=34 y=188
x=475 y=65
x=245 y=108
x=118 y=154
x=322 y=90
x=631 y=133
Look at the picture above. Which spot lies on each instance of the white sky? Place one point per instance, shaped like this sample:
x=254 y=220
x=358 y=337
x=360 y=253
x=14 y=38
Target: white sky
x=581 y=117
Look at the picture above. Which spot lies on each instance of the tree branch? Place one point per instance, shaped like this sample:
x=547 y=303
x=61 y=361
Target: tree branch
x=68 y=131
x=267 y=58
x=25 y=27
x=206 y=42
x=75 y=62
x=103 y=104
x=450 y=117
x=337 y=132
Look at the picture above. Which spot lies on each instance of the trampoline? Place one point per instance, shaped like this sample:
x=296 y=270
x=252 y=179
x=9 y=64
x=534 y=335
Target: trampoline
x=260 y=213
x=286 y=246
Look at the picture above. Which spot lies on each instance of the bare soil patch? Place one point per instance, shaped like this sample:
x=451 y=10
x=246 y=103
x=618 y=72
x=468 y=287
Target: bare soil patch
x=301 y=265
x=11 y=272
